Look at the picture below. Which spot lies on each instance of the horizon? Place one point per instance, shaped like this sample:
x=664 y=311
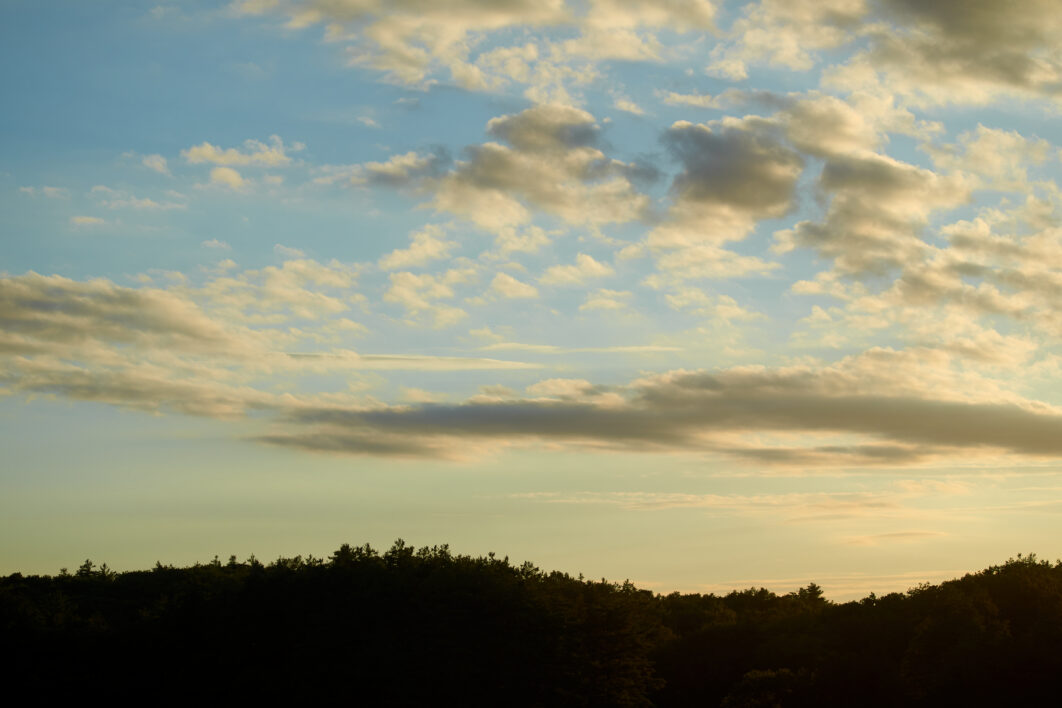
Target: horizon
x=701 y=294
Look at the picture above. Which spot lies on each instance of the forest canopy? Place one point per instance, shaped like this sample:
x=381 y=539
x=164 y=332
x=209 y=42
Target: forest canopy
x=425 y=626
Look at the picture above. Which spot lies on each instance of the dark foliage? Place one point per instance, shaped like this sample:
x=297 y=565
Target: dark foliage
x=426 y=627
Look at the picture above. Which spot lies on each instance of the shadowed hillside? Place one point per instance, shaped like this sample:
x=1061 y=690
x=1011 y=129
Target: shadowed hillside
x=426 y=627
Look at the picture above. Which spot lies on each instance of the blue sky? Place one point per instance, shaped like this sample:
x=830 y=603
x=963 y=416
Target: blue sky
x=698 y=293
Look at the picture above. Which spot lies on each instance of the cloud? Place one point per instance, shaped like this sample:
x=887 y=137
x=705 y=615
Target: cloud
x=550 y=128
x=550 y=164
x=895 y=537
x=607 y=300
x=159 y=350
x=785 y=34
x=736 y=168
x=287 y=251
x=960 y=51
x=50 y=192
x=794 y=505
x=897 y=416
x=121 y=199
x=509 y=287
x=878 y=207
x=407 y=41
x=426 y=246
x=585 y=268
x=227 y=177
x=409 y=362
x=215 y=243
x=257 y=154
x=826 y=126
x=1000 y=157
x=139 y=387
x=38 y=310
x=417 y=44
x=527 y=239
x=156 y=163
x=625 y=104
x=154 y=349
x=722 y=307
x=86 y=221
x=735 y=173
x=696 y=100
x=401 y=170
x=419 y=294
x=299 y=288
x=555 y=349
x=929 y=53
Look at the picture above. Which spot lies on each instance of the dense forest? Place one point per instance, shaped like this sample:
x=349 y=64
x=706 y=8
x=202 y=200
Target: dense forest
x=428 y=627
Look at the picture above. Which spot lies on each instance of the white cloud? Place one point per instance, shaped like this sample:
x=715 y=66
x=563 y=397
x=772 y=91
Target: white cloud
x=509 y=287
x=257 y=154
x=585 y=268
x=227 y=177
x=156 y=163
x=419 y=294
x=696 y=100
x=607 y=300
x=1000 y=157
x=427 y=245
x=625 y=104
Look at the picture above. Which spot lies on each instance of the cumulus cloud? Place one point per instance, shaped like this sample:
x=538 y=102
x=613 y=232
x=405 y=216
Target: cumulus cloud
x=418 y=44
x=420 y=294
x=785 y=33
x=585 y=268
x=227 y=177
x=735 y=167
x=299 y=288
x=550 y=163
x=958 y=52
x=735 y=173
x=426 y=246
x=551 y=128
x=722 y=307
x=255 y=154
x=402 y=170
x=1000 y=157
x=879 y=206
x=156 y=163
x=509 y=287
x=929 y=53
x=999 y=263
x=605 y=299
x=696 y=100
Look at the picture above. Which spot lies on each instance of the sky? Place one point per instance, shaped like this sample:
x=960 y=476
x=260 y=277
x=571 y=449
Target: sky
x=701 y=294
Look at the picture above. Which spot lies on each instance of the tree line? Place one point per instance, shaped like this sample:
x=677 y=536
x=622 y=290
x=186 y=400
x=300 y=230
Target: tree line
x=425 y=626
